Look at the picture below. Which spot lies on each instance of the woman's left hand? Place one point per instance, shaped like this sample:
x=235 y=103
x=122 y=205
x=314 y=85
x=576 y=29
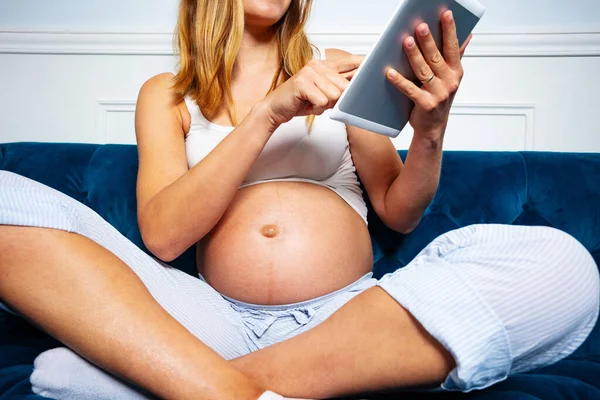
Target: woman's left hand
x=440 y=74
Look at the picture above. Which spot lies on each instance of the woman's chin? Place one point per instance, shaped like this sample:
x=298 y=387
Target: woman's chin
x=262 y=21
x=265 y=13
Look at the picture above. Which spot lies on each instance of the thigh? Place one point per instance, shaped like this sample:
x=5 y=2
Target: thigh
x=192 y=302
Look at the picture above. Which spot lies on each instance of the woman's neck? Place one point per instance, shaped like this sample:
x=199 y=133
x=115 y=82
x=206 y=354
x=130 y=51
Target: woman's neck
x=258 y=51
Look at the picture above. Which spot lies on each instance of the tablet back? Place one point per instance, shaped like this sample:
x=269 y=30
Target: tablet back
x=371 y=96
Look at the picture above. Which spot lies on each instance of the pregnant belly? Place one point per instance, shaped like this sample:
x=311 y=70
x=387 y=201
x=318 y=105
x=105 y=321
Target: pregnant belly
x=285 y=242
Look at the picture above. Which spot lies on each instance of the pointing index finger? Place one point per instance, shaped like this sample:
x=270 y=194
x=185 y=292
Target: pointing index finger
x=345 y=64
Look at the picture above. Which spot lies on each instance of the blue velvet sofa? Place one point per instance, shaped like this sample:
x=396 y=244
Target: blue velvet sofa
x=552 y=189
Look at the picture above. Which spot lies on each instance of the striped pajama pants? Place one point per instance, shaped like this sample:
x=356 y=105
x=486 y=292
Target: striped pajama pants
x=501 y=299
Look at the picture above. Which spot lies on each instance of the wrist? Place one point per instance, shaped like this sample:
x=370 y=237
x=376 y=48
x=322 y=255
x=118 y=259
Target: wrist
x=261 y=115
x=428 y=141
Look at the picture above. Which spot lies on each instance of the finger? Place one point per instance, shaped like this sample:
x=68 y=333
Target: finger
x=422 y=70
x=339 y=80
x=430 y=51
x=451 y=47
x=328 y=88
x=317 y=99
x=465 y=44
x=349 y=75
x=344 y=64
x=407 y=87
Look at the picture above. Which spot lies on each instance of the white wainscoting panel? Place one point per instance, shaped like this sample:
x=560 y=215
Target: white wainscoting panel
x=115 y=121
x=499 y=127
x=55 y=98
x=522 y=91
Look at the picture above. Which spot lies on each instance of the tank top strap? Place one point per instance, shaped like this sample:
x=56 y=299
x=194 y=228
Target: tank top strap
x=194 y=110
x=320 y=53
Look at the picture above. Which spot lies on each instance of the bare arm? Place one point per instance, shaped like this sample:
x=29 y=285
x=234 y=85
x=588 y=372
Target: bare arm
x=177 y=206
x=401 y=192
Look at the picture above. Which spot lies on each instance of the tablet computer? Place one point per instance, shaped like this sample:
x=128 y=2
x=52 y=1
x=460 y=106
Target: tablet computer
x=371 y=101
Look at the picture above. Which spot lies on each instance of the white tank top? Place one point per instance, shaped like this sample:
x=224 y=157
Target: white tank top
x=321 y=157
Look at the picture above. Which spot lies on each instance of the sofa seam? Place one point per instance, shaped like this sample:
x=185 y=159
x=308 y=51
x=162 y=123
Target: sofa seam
x=87 y=176
x=526 y=177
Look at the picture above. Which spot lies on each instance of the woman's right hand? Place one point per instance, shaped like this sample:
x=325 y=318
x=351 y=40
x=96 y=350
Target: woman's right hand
x=314 y=89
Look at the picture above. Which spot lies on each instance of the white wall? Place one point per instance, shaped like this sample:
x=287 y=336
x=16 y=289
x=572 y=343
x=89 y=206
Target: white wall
x=70 y=70
x=329 y=15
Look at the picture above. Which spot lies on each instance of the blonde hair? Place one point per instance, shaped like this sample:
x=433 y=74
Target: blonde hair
x=208 y=38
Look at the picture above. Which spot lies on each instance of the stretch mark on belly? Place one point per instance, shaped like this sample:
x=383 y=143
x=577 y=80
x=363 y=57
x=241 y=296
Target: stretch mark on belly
x=270 y=231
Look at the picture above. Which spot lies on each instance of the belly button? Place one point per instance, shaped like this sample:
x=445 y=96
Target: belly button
x=270 y=231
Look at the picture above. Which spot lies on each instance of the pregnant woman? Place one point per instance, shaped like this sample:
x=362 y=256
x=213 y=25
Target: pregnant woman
x=237 y=154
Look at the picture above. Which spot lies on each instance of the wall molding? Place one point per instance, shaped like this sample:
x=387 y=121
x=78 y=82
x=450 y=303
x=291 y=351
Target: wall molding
x=525 y=44
x=104 y=108
x=556 y=44
x=505 y=110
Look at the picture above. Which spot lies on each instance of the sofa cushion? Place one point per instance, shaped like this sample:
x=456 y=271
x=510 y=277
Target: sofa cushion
x=551 y=189
x=101 y=177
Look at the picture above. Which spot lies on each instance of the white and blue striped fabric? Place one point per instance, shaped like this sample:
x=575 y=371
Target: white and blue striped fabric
x=502 y=299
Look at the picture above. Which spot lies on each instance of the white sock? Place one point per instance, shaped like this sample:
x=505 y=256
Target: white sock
x=268 y=395
x=62 y=374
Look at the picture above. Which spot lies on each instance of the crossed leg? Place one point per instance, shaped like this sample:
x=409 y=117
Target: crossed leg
x=87 y=298
x=75 y=276
x=74 y=288
x=502 y=299
x=370 y=344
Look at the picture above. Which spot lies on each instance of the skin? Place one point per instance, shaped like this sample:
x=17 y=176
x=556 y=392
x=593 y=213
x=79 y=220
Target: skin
x=363 y=335
x=73 y=288
x=355 y=350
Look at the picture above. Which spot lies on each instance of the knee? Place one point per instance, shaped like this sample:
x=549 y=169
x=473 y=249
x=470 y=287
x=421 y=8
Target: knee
x=566 y=253
x=560 y=297
x=550 y=273
x=571 y=272
x=586 y=279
